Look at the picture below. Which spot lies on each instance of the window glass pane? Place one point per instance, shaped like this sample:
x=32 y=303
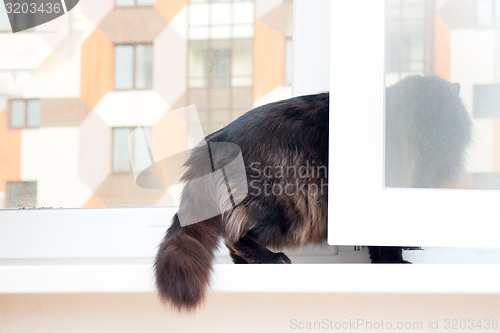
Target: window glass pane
x=124 y=64
x=405 y=29
x=487 y=100
x=14 y=195
x=242 y=31
x=144 y=67
x=221 y=13
x=198 y=63
x=141 y=151
x=124 y=3
x=241 y=62
x=198 y=33
x=21 y=195
x=220 y=69
x=199 y=14
x=121 y=160
x=145 y=2
x=442 y=101
x=17 y=114
x=484 y=11
x=30 y=198
x=33 y=113
x=77 y=150
x=243 y=12
x=220 y=32
x=146 y=133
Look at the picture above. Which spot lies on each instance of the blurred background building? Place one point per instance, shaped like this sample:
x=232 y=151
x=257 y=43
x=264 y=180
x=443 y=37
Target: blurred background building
x=73 y=89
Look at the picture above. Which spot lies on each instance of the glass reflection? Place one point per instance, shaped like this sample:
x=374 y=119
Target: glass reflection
x=427 y=141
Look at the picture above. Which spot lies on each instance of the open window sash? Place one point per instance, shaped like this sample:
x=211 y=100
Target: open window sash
x=362 y=211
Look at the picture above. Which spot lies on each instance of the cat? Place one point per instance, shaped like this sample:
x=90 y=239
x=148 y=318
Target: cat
x=276 y=141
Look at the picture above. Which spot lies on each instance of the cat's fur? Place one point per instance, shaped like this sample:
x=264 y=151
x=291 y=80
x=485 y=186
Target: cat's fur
x=294 y=133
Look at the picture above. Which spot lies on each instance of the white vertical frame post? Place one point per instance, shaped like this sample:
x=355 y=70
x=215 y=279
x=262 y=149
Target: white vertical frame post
x=311 y=46
x=361 y=211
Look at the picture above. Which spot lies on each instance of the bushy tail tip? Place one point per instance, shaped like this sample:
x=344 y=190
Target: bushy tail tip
x=184 y=261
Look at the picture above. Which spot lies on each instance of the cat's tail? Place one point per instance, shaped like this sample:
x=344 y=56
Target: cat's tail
x=184 y=262
x=185 y=257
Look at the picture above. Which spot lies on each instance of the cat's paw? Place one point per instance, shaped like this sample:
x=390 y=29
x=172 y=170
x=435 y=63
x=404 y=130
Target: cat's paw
x=281 y=258
x=237 y=259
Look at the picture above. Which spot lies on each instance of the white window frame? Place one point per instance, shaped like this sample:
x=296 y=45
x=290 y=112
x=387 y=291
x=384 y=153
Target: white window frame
x=111 y=249
x=361 y=210
x=111 y=235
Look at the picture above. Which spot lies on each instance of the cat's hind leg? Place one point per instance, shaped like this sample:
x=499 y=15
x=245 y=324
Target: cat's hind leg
x=387 y=254
x=248 y=251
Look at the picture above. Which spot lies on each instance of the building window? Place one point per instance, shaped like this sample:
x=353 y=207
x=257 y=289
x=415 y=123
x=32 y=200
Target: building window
x=220 y=80
x=24 y=113
x=220 y=70
x=134 y=3
x=133 y=66
x=125 y=144
x=210 y=64
x=488 y=13
x=21 y=194
x=220 y=43
x=409 y=44
x=220 y=63
x=487 y=100
x=220 y=60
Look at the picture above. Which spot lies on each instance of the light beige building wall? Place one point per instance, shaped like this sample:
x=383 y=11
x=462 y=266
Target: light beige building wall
x=235 y=313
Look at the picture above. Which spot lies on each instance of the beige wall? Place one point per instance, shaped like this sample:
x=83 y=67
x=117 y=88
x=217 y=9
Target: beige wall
x=236 y=312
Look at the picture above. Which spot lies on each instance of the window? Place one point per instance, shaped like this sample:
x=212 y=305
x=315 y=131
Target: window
x=131 y=235
x=221 y=60
x=487 y=13
x=358 y=197
x=24 y=113
x=406 y=23
x=220 y=70
x=131 y=3
x=21 y=195
x=125 y=144
x=211 y=62
x=133 y=66
x=311 y=60
x=487 y=100
x=220 y=63
x=85 y=162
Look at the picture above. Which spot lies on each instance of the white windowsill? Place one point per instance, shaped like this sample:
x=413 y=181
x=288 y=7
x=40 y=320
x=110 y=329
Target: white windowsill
x=325 y=278
x=111 y=251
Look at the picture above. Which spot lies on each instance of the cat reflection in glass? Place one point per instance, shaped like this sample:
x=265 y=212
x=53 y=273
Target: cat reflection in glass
x=284 y=147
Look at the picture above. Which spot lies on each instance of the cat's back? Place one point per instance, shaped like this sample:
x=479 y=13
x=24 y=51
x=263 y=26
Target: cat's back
x=279 y=133
x=298 y=124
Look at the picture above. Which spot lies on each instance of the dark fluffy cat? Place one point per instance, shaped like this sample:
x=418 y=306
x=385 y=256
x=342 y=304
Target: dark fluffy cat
x=294 y=133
